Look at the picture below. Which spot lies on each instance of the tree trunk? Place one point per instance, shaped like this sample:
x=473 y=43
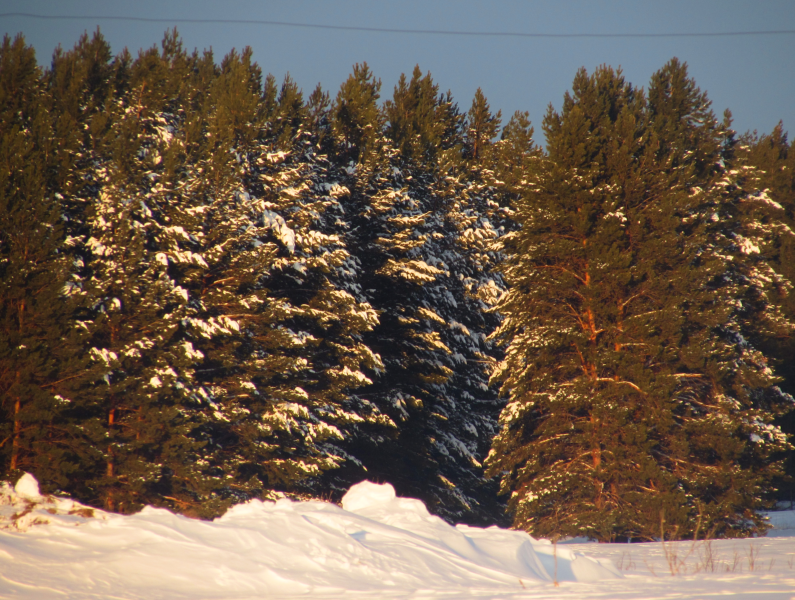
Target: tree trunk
x=17 y=431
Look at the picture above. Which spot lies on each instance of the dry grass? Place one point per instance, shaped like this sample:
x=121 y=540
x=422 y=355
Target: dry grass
x=700 y=556
x=677 y=563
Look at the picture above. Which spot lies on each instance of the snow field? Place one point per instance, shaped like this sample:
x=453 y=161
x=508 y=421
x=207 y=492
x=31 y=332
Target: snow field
x=375 y=546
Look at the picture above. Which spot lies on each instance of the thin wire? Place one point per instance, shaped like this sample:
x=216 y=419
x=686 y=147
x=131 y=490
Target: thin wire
x=393 y=30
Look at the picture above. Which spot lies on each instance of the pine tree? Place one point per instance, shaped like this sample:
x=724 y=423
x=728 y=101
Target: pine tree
x=623 y=363
x=37 y=348
x=481 y=127
x=355 y=115
x=82 y=84
x=414 y=118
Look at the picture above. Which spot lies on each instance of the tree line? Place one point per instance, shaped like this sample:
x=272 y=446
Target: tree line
x=213 y=289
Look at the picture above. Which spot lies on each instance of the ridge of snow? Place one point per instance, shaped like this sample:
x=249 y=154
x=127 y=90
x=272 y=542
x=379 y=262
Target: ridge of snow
x=376 y=545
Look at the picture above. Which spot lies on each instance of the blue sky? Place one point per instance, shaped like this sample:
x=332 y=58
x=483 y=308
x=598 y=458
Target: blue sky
x=754 y=76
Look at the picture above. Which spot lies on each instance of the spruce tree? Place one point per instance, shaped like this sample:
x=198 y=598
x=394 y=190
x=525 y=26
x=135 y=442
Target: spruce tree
x=767 y=165
x=142 y=406
x=83 y=84
x=745 y=225
x=407 y=217
x=280 y=382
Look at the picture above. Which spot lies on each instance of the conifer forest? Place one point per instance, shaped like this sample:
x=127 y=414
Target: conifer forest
x=215 y=287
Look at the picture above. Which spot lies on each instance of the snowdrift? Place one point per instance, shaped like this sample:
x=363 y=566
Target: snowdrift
x=376 y=545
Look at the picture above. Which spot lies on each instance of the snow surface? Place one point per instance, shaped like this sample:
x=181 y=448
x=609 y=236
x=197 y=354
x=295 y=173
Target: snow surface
x=375 y=546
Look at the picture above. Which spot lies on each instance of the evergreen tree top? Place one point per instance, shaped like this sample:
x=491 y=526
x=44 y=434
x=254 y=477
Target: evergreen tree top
x=356 y=117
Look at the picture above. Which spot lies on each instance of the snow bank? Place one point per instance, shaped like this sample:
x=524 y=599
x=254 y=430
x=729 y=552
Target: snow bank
x=376 y=545
x=23 y=506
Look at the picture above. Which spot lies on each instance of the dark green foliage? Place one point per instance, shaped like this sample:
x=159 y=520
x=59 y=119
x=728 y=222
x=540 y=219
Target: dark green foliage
x=635 y=391
x=773 y=175
x=213 y=289
x=417 y=235
x=140 y=405
x=279 y=382
x=39 y=362
x=355 y=117
x=415 y=118
x=481 y=128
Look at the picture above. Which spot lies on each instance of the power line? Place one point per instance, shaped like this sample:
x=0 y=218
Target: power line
x=396 y=30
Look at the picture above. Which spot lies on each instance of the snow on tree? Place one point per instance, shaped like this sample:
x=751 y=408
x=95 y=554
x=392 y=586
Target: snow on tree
x=635 y=393
x=767 y=164
x=408 y=222
x=279 y=382
x=143 y=404
x=212 y=290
